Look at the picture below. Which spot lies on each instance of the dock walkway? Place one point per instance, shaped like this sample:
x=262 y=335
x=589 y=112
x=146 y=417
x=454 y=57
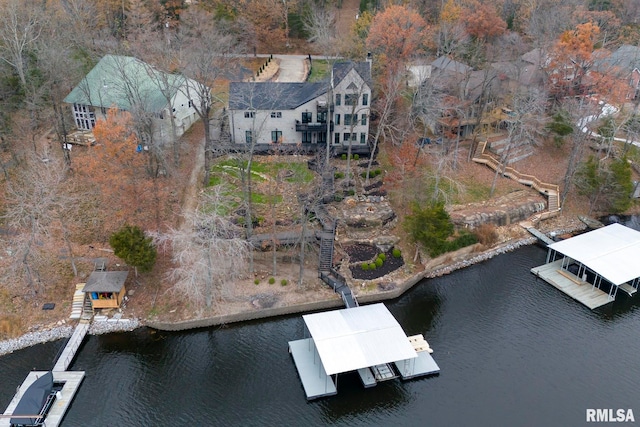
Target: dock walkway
x=537 y=233
x=70 y=381
x=571 y=285
x=71 y=348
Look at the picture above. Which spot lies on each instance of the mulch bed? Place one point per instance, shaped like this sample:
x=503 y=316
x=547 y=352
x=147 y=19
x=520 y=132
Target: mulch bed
x=373 y=186
x=390 y=264
x=361 y=252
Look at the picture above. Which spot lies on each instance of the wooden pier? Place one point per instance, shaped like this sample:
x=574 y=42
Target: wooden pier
x=538 y=234
x=71 y=383
x=571 y=285
x=71 y=348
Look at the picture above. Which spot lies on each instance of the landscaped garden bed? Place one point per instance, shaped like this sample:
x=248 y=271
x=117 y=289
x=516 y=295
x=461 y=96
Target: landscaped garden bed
x=368 y=262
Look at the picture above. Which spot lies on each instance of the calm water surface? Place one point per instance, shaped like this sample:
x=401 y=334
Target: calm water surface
x=513 y=351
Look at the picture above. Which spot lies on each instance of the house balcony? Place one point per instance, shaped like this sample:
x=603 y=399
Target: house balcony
x=312 y=127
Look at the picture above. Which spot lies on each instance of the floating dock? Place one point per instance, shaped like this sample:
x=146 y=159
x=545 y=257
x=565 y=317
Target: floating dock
x=363 y=339
x=571 y=285
x=71 y=383
x=315 y=381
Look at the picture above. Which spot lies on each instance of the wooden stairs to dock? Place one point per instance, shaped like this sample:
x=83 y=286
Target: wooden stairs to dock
x=78 y=302
x=550 y=191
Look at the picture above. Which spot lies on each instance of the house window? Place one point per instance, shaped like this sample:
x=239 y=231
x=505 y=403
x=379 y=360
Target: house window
x=322 y=137
x=363 y=138
x=248 y=136
x=307 y=117
x=190 y=104
x=346 y=137
x=306 y=137
x=276 y=136
x=247 y=114
x=276 y=114
x=365 y=99
x=351 y=99
x=84 y=117
x=322 y=117
x=338 y=99
x=337 y=119
x=336 y=138
x=363 y=120
x=347 y=119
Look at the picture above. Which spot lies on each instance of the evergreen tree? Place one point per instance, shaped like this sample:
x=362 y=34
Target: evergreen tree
x=133 y=247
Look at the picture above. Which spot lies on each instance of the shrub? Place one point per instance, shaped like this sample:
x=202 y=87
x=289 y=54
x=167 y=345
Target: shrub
x=396 y=253
x=382 y=256
x=372 y=266
x=256 y=282
x=132 y=246
x=338 y=175
x=486 y=234
x=343 y=157
x=364 y=266
x=284 y=282
x=356 y=157
x=379 y=262
x=272 y=280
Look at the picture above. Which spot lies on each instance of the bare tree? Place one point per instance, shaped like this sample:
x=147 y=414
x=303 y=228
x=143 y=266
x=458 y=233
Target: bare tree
x=209 y=252
x=38 y=205
x=207 y=52
x=525 y=126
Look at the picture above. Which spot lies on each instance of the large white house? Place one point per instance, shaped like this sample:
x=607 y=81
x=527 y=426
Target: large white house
x=129 y=84
x=269 y=115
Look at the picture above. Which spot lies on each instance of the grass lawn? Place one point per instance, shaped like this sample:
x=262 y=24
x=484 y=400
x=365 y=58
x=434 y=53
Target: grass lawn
x=319 y=70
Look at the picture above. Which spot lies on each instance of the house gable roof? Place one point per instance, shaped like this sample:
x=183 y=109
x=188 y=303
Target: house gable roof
x=271 y=95
x=626 y=57
x=341 y=69
x=289 y=96
x=445 y=63
x=125 y=82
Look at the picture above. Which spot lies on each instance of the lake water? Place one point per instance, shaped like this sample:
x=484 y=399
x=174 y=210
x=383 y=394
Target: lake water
x=513 y=351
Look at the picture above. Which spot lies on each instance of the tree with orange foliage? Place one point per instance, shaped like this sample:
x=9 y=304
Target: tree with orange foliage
x=482 y=20
x=115 y=168
x=396 y=34
x=571 y=59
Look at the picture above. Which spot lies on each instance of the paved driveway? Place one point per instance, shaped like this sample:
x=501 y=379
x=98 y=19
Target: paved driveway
x=293 y=68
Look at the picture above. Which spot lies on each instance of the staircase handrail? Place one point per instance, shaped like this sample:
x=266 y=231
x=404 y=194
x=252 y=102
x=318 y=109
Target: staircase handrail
x=514 y=173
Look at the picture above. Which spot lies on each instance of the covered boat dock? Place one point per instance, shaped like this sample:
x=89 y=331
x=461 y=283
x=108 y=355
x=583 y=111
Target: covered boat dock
x=591 y=267
x=365 y=339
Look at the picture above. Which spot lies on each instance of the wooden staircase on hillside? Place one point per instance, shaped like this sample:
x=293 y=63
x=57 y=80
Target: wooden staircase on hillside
x=550 y=191
x=78 y=302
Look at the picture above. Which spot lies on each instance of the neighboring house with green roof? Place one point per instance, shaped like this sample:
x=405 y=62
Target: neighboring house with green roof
x=129 y=84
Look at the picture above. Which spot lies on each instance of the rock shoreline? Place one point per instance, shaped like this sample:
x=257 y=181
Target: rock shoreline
x=59 y=332
x=126 y=325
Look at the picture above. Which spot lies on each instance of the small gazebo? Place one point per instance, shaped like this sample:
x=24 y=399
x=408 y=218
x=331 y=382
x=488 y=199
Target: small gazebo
x=105 y=289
